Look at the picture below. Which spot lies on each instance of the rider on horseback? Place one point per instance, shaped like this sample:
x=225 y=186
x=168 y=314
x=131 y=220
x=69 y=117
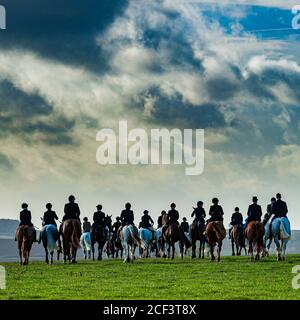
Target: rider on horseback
x=269 y=213
x=86 y=226
x=173 y=217
x=216 y=211
x=25 y=219
x=236 y=219
x=147 y=222
x=115 y=227
x=185 y=226
x=199 y=213
x=49 y=216
x=279 y=210
x=127 y=218
x=72 y=211
x=159 y=220
x=254 y=212
x=99 y=219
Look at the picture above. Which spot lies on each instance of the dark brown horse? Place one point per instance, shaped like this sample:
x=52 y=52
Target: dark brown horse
x=25 y=238
x=70 y=236
x=97 y=236
x=215 y=233
x=173 y=234
x=238 y=239
x=255 y=232
x=197 y=234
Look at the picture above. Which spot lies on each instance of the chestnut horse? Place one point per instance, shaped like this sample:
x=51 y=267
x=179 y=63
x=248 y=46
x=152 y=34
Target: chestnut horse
x=255 y=232
x=25 y=238
x=215 y=233
x=197 y=234
x=70 y=236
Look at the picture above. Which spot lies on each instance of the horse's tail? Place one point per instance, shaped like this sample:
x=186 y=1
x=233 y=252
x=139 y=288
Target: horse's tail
x=74 y=236
x=87 y=240
x=134 y=235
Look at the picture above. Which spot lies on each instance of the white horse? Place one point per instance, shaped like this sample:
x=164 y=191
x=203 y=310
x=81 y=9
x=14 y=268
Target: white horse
x=86 y=244
x=281 y=233
x=146 y=237
x=129 y=239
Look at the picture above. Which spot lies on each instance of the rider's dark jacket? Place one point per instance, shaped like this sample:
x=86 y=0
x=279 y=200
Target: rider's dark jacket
x=146 y=221
x=185 y=226
x=116 y=226
x=71 y=211
x=98 y=218
x=159 y=221
x=25 y=218
x=86 y=226
x=50 y=217
x=254 y=212
x=127 y=217
x=199 y=214
x=279 y=209
x=216 y=213
x=236 y=219
x=173 y=216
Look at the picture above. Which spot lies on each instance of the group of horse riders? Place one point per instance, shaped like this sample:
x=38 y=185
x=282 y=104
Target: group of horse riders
x=277 y=208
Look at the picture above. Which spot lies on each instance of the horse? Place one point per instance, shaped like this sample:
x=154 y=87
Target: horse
x=109 y=247
x=49 y=237
x=255 y=232
x=281 y=233
x=117 y=245
x=172 y=234
x=25 y=238
x=215 y=233
x=129 y=239
x=86 y=244
x=147 y=238
x=70 y=235
x=238 y=239
x=97 y=236
x=197 y=234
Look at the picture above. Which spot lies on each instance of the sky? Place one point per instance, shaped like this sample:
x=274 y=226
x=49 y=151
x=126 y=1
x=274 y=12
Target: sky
x=69 y=69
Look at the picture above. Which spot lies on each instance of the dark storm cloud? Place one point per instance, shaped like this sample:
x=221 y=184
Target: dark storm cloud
x=25 y=114
x=174 y=111
x=62 y=30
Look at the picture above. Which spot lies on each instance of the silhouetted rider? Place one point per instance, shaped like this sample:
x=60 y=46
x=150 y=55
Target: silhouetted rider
x=127 y=216
x=71 y=209
x=159 y=220
x=49 y=216
x=199 y=213
x=254 y=212
x=216 y=211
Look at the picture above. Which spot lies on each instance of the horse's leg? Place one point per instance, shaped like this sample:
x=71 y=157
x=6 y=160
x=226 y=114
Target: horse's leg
x=93 y=249
x=284 y=244
x=211 y=247
x=258 y=247
x=219 y=249
x=193 y=248
x=278 y=249
x=47 y=255
x=232 y=244
x=181 y=246
x=202 y=248
x=251 y=249
x=51 y=257
x=20 y=255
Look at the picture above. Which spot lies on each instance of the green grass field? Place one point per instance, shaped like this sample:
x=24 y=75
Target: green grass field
x=232 y=278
